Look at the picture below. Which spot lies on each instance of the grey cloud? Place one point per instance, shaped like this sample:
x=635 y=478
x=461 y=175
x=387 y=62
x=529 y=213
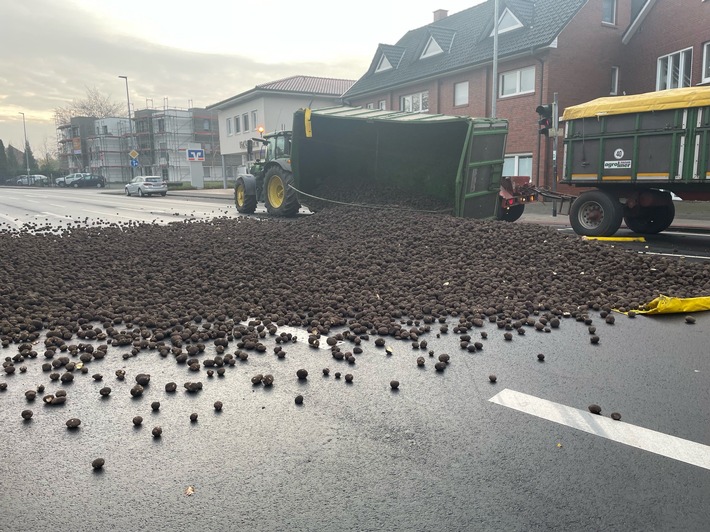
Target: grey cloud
x=51 y=52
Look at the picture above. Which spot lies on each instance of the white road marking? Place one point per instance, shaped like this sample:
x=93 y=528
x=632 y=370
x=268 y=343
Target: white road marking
x=674 y=255
x=11 y=220
x=54 y=214
x=686 y=451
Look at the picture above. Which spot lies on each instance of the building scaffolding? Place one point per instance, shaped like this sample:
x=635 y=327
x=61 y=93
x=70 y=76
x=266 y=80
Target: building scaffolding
x=160 y=136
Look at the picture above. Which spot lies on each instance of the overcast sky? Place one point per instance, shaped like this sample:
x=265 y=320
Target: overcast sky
x=201 y=52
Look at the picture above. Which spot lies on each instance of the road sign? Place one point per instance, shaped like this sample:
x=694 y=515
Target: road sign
x=133 y=154
x=195 y=155
x=134 y=162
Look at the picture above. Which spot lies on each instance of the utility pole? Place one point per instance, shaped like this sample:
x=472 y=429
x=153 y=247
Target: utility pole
x=130 y=125
x=494 y=89
x=27 y=154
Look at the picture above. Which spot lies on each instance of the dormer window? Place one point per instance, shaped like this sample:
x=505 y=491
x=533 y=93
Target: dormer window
x=432 y=48
x=384 y=64
x=507 y=22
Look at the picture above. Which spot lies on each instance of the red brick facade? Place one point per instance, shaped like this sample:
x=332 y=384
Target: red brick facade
x=578 y=69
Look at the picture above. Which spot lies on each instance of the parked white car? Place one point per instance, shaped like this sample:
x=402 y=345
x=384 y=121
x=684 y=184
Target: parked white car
x=37 y=180
x=146 y=185
x=67 y=180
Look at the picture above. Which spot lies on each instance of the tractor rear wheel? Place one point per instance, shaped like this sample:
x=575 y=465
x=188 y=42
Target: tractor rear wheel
x=280 y=198
x=512 y=213
x=245 y=202
x=596 y=213
x=651 y=220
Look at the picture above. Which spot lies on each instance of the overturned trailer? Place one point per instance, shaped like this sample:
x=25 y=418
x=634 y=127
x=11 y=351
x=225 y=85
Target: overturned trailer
x=456 y=160
x=634 y=151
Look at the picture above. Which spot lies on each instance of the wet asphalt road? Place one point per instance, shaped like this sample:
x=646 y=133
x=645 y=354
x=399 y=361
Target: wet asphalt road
x=435 y=455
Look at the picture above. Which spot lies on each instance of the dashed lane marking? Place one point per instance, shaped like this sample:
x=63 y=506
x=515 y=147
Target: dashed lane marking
x=666 y=445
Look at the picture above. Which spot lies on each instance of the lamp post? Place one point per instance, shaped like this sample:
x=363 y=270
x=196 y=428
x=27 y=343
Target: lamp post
x=27 y=155
x=130 y=125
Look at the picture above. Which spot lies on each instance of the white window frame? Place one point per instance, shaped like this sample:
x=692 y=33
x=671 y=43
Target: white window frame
x=370 y=105
x=518 y=82
x=516 y=163
x=407 y=102
x=245 y=122
x=461 y=93
x=614 y=81
x=382 y=105
x=611 y=22
x=229 y=126
x=511 y=22
x=383 y=64
x=706 y=63
x=254 y=119
x=432 y=48
x=237 y=125
x=665 y=66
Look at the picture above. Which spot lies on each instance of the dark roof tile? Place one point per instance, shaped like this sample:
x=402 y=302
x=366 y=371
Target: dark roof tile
x=471 y=43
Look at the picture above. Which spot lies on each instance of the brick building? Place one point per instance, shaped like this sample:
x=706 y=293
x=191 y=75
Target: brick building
x=579 y=49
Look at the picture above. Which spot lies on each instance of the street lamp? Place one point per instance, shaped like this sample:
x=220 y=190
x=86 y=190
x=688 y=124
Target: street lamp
x=130 y=125
x=27 y=154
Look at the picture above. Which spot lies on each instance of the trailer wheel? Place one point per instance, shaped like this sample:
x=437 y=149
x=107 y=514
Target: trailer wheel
x=596 y=213
x=280 y=198
x=511 y=214
x=651 y=220
x=245 y=202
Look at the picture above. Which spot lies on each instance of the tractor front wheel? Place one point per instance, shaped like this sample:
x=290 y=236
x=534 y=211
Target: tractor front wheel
x=596 y=213
x=245 y=202
x=280 y=198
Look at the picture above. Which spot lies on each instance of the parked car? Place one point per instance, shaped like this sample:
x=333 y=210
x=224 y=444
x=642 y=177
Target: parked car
x=67 y=180
x=146 y=185
x=89 y=180
x=36 y=180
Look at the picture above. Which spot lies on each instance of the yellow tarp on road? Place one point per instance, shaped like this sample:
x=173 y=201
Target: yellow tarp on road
x=675 y=305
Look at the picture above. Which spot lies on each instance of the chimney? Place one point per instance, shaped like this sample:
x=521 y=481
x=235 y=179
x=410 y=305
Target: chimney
x=439 y=14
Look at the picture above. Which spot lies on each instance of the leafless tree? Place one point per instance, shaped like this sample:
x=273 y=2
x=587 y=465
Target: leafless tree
x=95 y=104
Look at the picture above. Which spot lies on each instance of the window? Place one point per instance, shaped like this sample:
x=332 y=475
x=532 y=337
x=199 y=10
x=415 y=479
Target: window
x=415 y=103
x=520 y=81
x=382 y=105
x=237 y=125
x=370 y=106
x=254 y=119
x=461 y=93
x=384 y=64
x=432 y=48
x=229 y=126
x=614 y=81
x=517 y=165
x=674 y=70
x=245 y=122
x=104 y=130
x=161 y=125
x=507 y=22
x=609 y=11
x=706 y=62
x=206 y=126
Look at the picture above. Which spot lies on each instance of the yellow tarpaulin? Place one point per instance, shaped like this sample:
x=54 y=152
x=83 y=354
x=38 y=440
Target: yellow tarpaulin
x=638 y=103
x=674 y=305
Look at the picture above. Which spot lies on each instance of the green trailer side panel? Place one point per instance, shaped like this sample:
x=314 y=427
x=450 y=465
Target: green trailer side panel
x=360 y=150
x=649 y=148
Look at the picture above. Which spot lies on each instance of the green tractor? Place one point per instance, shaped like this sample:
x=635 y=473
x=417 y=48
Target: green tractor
x=270 y=179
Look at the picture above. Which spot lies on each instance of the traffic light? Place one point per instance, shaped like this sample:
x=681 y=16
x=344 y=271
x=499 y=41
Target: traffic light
x=545 y=121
